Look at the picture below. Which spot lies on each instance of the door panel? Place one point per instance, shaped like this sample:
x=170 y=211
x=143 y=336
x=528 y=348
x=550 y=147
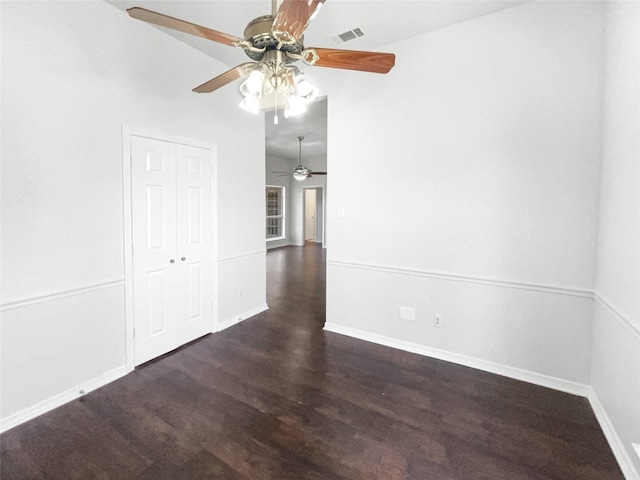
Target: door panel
x=156 y=217
x=155 y=303
x=194 y=212
x=195 y=291
x=154 y=245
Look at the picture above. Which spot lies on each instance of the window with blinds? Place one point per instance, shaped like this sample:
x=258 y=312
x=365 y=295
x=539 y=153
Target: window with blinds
x=275 y=212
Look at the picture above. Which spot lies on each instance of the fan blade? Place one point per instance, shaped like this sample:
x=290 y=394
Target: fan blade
x=293 y=17
x=374 y=62
x=229 y=76
x=318 y=173
x=182 y=26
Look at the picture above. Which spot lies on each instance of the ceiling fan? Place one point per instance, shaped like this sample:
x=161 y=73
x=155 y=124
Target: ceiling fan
x=273 y=42
x=300 y=173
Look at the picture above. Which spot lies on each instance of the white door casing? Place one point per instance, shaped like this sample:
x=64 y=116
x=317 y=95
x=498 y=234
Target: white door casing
x=171 y=231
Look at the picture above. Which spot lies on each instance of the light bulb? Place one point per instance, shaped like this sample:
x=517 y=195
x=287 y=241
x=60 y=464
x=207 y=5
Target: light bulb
x=251 y=104
x=306 y=90
x=300 y=173
x=252 y=86
x=295 y=106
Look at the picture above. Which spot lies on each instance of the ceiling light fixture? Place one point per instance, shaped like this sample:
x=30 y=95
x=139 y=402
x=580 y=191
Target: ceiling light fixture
x=272 y=77
x=300 y=172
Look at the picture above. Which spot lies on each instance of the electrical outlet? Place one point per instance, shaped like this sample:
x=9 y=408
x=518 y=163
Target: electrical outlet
x=437 y=320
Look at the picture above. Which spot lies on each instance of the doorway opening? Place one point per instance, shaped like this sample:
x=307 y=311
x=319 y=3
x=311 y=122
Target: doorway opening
x=292 y=271
x=313 y=211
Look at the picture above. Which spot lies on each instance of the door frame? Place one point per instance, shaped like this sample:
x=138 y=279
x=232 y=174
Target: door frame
x=319 y=199
x=128 y=132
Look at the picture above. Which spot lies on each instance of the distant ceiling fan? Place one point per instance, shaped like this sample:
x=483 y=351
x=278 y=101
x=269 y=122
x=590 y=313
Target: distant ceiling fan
x=273 y=42
x=300 y=173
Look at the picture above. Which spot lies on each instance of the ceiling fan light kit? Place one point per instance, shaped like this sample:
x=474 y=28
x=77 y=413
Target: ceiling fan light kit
x=301 y=173
x=272 y=77
x=273 y=42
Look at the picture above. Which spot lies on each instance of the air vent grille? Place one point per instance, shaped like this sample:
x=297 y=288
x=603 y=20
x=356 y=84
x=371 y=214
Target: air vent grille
x=349 y=35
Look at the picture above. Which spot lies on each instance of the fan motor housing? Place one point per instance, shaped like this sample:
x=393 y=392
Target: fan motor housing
x=258 y=32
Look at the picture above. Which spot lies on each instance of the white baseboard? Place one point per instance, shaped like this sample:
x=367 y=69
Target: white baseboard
x=230 y=322
x=60 y=399
x=554 y=383
x=617 y=446
x=79 y=390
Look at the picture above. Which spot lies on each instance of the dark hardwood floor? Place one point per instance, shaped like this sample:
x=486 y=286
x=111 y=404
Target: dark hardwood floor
x=277 y=398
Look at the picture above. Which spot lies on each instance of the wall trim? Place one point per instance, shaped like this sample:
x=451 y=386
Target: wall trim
x=60 y=399
x=230 y=322
x=455 y=277
x=618 y=316
x=617 y=446
x=242 y=257
x=547 y=381
x=50 y=297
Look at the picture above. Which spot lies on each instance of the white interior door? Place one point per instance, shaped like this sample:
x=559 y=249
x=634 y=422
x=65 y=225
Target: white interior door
x=194 y=238
x=171 y=227
x=310 y=214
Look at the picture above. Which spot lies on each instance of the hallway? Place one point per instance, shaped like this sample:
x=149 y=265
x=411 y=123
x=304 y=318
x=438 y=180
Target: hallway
x=277 y=398
x=296 y=284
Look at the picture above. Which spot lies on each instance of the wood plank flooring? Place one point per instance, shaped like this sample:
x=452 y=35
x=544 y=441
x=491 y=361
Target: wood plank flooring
x=277 y=398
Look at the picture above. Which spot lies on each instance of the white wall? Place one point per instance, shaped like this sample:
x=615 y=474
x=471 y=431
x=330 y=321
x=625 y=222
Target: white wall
x=615 y=371
x=500 y=165
x=477 y=161
x=73 y=73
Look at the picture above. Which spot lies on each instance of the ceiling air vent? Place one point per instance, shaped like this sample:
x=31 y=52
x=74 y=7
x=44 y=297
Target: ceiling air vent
x=348 y=35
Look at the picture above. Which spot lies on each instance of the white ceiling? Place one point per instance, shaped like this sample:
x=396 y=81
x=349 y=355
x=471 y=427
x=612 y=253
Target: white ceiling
x=282 y=140
x=382 y=21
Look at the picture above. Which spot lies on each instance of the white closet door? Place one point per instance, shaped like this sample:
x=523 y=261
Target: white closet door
x=194 y=237
x=171 y=221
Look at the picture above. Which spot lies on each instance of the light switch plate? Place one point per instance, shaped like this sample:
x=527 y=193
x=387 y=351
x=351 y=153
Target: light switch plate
x=407 y=313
